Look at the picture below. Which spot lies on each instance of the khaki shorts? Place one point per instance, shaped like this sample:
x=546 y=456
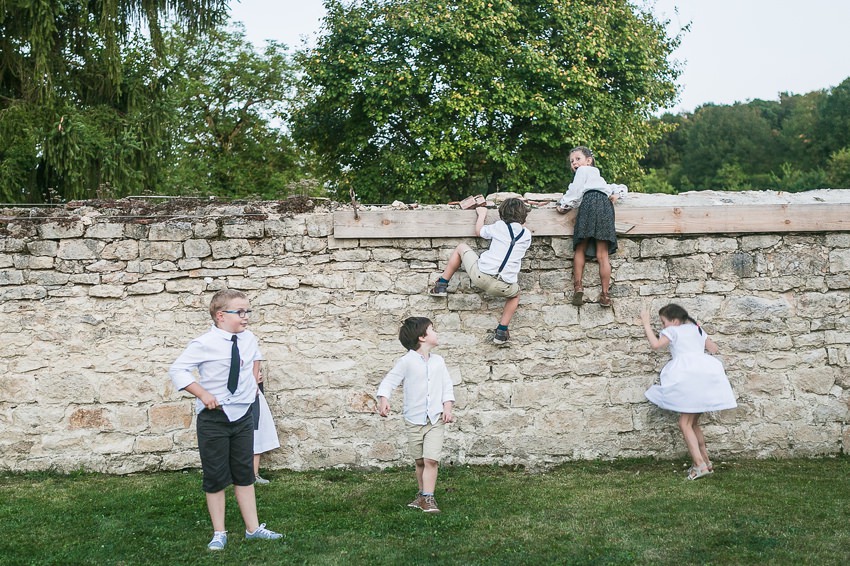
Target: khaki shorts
x=487 y=283
x=425 y=441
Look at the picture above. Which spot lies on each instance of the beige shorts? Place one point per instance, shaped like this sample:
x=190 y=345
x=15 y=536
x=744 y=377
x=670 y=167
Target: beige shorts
x=488 y=283
x=425 y=441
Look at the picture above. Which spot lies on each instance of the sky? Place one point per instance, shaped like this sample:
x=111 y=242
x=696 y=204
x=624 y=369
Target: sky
x=735 y=50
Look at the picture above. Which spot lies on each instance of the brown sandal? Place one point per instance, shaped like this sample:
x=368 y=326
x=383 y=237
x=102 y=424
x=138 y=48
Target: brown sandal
x=605 y=300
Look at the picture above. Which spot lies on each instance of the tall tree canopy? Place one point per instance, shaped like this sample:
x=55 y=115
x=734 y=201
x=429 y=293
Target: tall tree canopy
x=80 y=92
x=433 y=99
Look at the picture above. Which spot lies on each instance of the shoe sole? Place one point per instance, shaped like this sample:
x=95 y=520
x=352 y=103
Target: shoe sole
x=578 y=298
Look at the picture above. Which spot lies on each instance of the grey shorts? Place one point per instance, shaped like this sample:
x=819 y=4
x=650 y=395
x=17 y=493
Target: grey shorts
x=490 y=284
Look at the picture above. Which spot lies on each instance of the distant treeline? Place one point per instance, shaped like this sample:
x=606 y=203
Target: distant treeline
x=797 y=143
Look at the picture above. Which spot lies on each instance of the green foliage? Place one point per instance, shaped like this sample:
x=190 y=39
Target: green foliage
x=786 y=145
x=230 y=104
x=81 y=97
x=618 y=513
x=434 y=99
x=838 y=169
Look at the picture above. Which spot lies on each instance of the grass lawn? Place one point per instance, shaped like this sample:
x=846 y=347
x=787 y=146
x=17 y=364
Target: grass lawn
x=622 y=512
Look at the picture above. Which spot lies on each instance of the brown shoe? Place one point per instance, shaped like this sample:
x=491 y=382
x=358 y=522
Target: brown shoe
x=416 y=503
x=429 y=504
x=578 y=297
x=605 y=300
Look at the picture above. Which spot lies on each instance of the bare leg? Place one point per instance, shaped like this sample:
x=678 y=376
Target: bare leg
x=511 y=306
x=604 y=265
x=247 y=506
x=701 y=440
x=429 y=475
x=256 y=465
x=420 y=468
x=578 y=264
x=454 y=261
x=687 y=422
x=215 y=505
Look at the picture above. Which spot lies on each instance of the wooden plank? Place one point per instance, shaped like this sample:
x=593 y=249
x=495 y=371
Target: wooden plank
x=634 y=220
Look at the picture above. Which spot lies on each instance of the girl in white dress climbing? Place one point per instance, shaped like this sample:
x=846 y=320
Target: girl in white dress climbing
x=692 y=382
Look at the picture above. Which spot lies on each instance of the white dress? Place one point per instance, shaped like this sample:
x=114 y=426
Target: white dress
x=693 y=381
x=265 y=434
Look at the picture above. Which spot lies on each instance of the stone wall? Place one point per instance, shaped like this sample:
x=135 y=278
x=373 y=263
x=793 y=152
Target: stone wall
x=96 y=302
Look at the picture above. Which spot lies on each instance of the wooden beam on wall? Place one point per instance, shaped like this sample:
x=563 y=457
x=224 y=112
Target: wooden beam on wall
x=633 y=220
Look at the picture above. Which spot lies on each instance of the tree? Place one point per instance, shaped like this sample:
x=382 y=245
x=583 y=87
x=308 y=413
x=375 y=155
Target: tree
x=81 y=93
x=433 y=99
x=232 y=102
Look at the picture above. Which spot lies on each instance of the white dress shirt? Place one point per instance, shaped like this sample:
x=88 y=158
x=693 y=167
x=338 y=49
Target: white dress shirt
x=588 y=178
x=500 y=241
x=427 y=385
x=209 y=354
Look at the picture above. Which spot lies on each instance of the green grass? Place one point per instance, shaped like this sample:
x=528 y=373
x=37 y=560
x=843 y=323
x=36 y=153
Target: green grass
x=623 y=512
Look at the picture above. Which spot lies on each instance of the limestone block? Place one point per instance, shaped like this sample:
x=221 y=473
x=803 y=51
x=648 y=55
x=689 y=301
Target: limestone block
x=188 y=264
x=105 y=230
x=96 y=418
x=47 y=248
x=462 y=302
x=136 y=231
x=559 y=315
x=372 y=281
x=146 y=288
x=194 y=286
x=766 y=241
x=171 y=231
x=107 y=291
x=161 y=250
x=243 y=229
x=717 y=245
x=358 y=254
x=142 y=267
x=284 y=282
x=85 y=278
x=300 y=244
x=106 y=266
x=294 y=226
x=338 y=244
x=196 y=248
x=19 y=388
x=378 y=254
x=362 y=402
x=11 y=277
x=410 y=284
x=667 y=247
x=171 y=416
x=383 y=452
x=113 y=443
x=80 y=249
x=10 y=244
x=47 y=278
x=119 y=278
x=756 y=308
x=653 y=270
x=331 y=457
x=230 y=248
x=24 y=292
x=839 y=260
x=245 y=283
x=60 y=230
x=319 y=225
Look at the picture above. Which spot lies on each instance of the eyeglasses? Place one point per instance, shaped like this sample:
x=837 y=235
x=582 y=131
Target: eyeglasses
x=240 y=313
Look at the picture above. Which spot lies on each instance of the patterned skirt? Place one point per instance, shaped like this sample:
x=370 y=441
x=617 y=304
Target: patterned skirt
x=595 y=221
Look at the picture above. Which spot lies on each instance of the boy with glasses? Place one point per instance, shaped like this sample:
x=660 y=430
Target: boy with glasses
x=224 y=360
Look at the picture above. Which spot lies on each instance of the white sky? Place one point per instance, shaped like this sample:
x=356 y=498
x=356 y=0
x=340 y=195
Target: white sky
x=736 y=50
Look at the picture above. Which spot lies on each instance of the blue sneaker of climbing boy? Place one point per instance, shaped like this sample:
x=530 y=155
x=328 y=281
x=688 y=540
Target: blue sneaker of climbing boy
x=262 y=533
x=501 y=336
x=218 y=542
x=441 y=289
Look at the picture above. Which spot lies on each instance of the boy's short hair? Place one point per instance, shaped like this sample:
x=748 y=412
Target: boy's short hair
x=513 y=210
x=412 y=329
x=222 y=297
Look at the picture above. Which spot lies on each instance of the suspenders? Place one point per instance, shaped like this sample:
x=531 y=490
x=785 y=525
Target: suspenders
x=514 y=240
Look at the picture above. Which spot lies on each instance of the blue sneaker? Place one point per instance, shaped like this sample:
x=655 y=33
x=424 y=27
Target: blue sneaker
x=218 y=542
x=262 y=533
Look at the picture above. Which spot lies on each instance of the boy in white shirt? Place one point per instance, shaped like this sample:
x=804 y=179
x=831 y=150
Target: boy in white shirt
x=428 y=402
x=224 y=360
x=496 y=272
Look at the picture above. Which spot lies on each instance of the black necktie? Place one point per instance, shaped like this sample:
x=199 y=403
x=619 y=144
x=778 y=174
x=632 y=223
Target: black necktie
x=233 y=378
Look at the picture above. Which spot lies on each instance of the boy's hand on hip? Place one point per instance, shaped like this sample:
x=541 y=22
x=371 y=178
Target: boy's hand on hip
x=209 y=400
x=383 y=406
x=448 y=417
